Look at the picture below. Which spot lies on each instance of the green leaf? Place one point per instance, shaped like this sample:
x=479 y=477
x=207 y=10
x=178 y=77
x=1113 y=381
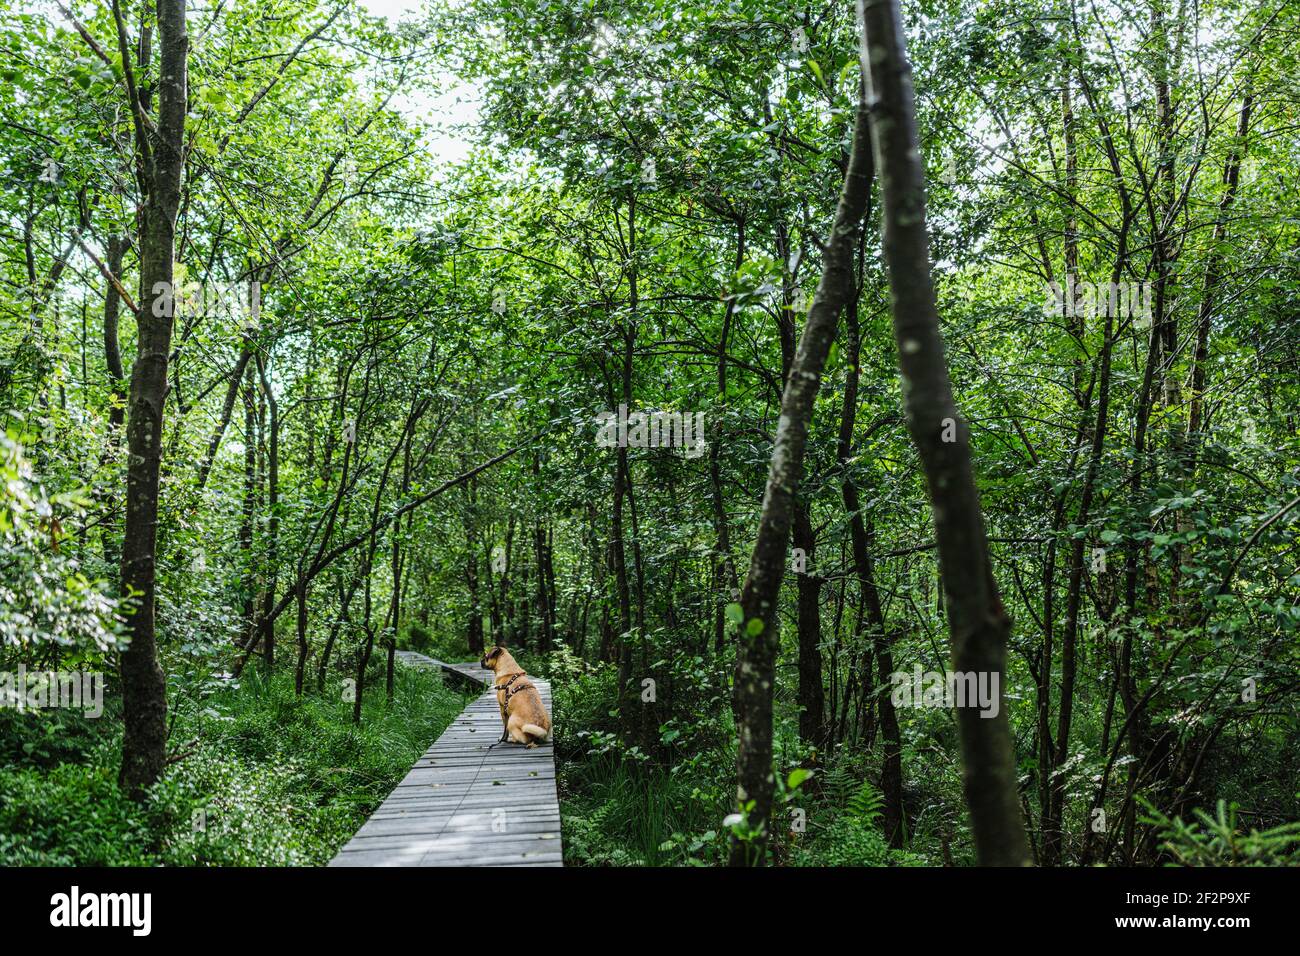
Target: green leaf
x=797 y=777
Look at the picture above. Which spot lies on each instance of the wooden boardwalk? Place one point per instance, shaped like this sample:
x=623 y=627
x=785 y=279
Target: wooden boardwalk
x=469 y=801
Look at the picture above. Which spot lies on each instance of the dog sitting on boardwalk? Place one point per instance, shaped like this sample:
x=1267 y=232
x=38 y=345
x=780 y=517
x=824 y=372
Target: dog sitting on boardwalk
x=523 y=715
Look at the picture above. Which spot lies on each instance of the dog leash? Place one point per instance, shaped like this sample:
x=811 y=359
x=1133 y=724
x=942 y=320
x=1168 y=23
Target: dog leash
x=478 y=770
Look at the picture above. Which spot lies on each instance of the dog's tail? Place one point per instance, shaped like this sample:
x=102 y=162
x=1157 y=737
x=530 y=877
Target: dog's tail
x=533 y=730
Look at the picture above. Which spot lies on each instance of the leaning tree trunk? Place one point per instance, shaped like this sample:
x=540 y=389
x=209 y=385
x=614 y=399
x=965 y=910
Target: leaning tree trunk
x=759 y=641
x=977 y=622
x=160 y=160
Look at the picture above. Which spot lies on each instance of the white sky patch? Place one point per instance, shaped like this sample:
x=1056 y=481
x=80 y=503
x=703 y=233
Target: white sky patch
x=450 y=116
x=393 y=9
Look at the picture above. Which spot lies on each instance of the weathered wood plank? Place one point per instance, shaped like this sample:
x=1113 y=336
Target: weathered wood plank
x=469 y=671
x=470 y=800
x=417 y=857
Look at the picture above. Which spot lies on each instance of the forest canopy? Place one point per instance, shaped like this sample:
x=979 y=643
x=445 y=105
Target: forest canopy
x=878 y=421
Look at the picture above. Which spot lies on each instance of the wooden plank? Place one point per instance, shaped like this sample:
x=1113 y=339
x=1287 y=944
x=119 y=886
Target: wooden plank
x=432 y=826
x=470 y=800
x=416 y=857
x=469 y=672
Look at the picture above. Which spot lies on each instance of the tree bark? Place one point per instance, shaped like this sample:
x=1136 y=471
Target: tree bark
x=812 y=698
x=160 y=162
x=724 y=563
x=1213 y=276
x=977 y=622
x=273 y=521
x=112 y=350
x=759 y=640
x=345 y=601
x=474 y=627
x=891 y=758
x=227 y=409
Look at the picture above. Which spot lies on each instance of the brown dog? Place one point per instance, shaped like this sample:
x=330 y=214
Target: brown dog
x=523 y=715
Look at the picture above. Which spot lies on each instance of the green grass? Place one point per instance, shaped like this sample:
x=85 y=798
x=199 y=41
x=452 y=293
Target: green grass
x=272 y=779
x=622 y=813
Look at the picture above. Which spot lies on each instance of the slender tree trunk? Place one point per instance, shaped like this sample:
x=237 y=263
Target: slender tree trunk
x=545 y=609
x=474 y=627
x=160 y=159
x=397 y=568
x=273 y=512
x=227 y=409
x=759 y=639
x=345 y=601
x=117 y=394
x=508 y=623
x=1052 y=832
x=723 y=560
x=394 y=619
x=495 y=619
x=1163 y=251
x=891 y=762
x=112 y=350
x=552 y=600
x=977 y=621
x=812 y=698
x=1073 y=319
x=1213 y=276
x=618 y=548
x=300 y=667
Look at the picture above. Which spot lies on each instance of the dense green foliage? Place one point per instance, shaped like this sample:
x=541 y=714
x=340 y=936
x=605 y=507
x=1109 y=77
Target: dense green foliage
x=405 y=429
x=267 y=779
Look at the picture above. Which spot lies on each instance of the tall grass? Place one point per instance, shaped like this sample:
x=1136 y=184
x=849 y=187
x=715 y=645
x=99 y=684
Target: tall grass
x=268 y=778
x=622 y=812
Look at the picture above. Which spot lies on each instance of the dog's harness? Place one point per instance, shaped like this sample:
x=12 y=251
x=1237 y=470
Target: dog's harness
x=508 y=689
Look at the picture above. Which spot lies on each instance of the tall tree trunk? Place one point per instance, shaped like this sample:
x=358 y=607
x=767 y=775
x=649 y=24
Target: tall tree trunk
x=273 y=513
x=227 y=409
x=1213 y=275
x=891 y=760
x=474 y=627
x=394 y=618
x=300 y=666
x=552 y=599
x=160 y=161
x=977 y=621
x=503 y=587
x=117 y=394
x=724 y=563
x=1053 y=837
x=1163 y=250
x=249 y=562
x=812 y=698
x=345 y=601
x=1074 y=322
x=112 y=350
x=545 y=607
x=759 y=639
x=618 y=546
